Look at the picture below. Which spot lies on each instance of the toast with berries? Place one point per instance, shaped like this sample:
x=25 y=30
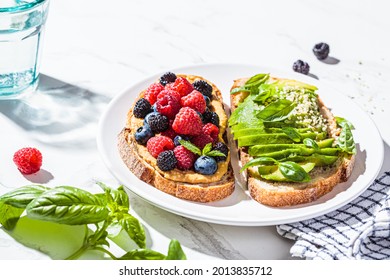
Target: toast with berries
x=292 y=149
x=175 y=139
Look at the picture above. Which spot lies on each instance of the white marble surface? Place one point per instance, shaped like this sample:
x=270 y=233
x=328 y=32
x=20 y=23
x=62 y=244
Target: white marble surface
x=95 y=49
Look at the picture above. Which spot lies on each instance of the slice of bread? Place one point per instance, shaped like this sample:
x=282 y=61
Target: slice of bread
x=188 y=184
x=278 y=194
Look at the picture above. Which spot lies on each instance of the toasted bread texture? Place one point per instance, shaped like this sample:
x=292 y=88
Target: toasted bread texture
x=278 y=194
x=186 y=185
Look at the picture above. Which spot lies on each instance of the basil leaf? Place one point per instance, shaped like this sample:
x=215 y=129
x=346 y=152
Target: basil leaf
x=292 y=133
x=134 y=229
x=191 y=147
x=68 y=205
x=9 y=215
x=311 y=144
x=22 y=196
x=143 y=254
x=276 y=111
x=341 y=122
x=293 y=171
x=207 y=148
x=259 y=161
x=121 y=198
x=175 y=252
x=252 y=85
x=345 y=140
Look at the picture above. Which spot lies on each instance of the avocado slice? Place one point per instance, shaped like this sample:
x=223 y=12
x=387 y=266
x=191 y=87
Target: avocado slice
x=274 y=138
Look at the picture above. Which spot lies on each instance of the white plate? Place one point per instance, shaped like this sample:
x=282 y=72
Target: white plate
x=239 y=208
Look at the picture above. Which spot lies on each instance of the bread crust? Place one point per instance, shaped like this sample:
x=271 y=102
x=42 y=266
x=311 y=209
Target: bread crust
x=129 y=151
x=279 y=194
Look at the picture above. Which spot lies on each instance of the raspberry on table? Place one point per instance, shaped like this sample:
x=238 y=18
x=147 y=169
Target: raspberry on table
x=201 y=140
x=167 y=78
x=185 y=158
x=301 y=67
x=181 y=85
x=152 y=92
x=168 y=106
x=187 y=122
x=166 y=160
x=194 y=100
x=203 y=87
x=158 y=144
x=28 y=160
x=141 y=108
x=212 y=130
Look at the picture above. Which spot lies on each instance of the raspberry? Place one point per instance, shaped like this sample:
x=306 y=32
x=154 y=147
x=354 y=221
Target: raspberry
x=168 y=106
x=169 y=133
x=203 y=87
x=185 y=158
x=166 y=160
x=158 y=144
x=170 y=92
x=201 y=140
x=187 y=122
x=28 y=160
x=152 y=91
x=211 y=130
x=141 y=108
x=194 y=100
x=182 y=86
x=167 y=78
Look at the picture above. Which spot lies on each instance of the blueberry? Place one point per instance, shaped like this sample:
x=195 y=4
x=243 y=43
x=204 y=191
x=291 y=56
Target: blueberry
x=178 y=138
x=301 y=67
x=321 y=50
x=205 y=165
x=143 y=134
x=207 y=99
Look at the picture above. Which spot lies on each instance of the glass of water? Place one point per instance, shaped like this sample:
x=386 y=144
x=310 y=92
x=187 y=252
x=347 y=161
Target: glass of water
x=21 y=31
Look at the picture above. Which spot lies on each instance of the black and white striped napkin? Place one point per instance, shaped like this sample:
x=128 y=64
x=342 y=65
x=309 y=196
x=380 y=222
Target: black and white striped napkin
x=359 y=230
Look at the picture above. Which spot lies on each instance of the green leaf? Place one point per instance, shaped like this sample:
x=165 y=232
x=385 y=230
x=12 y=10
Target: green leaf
x=259 y=161
x=215 y=153
x=9 y=215
x=345 y=140
x=175 y=252
x=207 y=148
x=22 y=196
x=245 y=113
x=276 y=111
x=293 y=171
x=252 y=85
x=311 y=144
x=292 y=133
x=341 y=122
x=143 y=254
x=134 y=229
x=121 y=198
x=191 y=147
x=68 y=205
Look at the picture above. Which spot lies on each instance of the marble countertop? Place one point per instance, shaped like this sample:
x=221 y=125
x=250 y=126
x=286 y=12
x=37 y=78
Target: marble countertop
x=93 y=50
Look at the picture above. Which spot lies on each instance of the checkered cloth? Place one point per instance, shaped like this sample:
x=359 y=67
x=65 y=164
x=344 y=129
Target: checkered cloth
x=359 y=230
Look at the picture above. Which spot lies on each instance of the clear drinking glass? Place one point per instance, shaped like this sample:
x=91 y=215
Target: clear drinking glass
x=21 y=31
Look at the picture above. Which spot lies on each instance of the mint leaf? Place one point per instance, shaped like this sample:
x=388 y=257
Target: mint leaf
x=207 y=148
x=191 y=147
x=215 y=153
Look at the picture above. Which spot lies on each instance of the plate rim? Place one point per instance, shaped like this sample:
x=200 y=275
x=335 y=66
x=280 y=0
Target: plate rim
x=226 y=221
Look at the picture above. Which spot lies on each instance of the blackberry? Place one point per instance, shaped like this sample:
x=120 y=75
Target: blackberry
x=167 y=78
x=301 y=67
x=141 y=108
x=206 y=116
x=214 y=119
x=203 y=87
x=166 y=160
x=143 y=134
x=321 y=50
x=223 y=149
x=157 y=122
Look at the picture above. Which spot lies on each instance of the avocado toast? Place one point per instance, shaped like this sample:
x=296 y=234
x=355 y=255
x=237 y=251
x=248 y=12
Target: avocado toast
x=291 y=147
